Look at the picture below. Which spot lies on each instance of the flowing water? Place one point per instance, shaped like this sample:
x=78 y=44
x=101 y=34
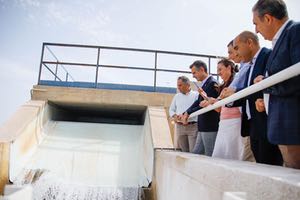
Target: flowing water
x=87 y=161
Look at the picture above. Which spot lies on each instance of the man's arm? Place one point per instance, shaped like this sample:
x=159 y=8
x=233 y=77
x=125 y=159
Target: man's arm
x=194 y=107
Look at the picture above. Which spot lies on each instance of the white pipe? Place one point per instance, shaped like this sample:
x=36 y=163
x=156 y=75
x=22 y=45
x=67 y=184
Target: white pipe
x=283 y=75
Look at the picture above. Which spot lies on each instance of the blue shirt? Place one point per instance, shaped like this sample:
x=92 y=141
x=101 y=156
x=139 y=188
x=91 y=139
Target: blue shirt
x=239 y=79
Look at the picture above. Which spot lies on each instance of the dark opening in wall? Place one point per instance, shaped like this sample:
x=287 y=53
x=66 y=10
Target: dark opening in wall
x=112 y=114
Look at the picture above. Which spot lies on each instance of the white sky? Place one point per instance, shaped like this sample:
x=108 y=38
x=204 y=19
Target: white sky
x=195 y=26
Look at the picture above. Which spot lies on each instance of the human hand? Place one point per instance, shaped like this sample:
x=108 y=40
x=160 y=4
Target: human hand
x=212 y=100
x=226 y=92
x=184 y=118
x=204 y=103
x=258 y=79
x=260 y=105
x=208 y=102
x=175 y=118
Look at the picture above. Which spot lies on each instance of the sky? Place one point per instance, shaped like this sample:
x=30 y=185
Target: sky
x=192 y=26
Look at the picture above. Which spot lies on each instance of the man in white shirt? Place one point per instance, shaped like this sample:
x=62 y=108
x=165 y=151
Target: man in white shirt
x=185 y=134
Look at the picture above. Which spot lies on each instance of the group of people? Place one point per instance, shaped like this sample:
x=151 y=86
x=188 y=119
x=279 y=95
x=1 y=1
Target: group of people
x=262 y=127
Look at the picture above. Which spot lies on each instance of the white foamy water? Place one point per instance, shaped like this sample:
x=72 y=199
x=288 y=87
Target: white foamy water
x=89 y=161
x=49 y=187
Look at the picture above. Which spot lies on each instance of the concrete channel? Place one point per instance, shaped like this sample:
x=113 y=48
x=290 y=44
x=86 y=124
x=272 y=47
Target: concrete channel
x=74 y=143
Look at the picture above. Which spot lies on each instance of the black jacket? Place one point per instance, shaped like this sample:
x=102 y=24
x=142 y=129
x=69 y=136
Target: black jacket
x=257 y=126
x=207 y=122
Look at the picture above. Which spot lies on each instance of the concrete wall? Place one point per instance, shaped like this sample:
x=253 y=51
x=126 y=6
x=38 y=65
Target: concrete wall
x=4 y=165
x=160 y=130
x=96 y=97
x=19 y=136
x=147 y=148
x=188 y=176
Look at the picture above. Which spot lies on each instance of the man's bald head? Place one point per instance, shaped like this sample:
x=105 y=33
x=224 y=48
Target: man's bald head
x=246 y=44
x=248 y=35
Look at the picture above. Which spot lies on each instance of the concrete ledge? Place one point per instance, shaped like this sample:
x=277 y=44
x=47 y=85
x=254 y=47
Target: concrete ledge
x=189 y=176
x=109 y=86
x=100 y=96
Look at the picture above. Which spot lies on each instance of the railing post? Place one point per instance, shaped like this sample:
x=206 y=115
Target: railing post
x=97 y=68
x=155 y=70
x=67 y=76
x=56 y=72
x=209 y=59
x=41 y=64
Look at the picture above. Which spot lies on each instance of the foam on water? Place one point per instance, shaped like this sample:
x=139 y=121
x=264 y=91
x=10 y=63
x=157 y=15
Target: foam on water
x=49 y=187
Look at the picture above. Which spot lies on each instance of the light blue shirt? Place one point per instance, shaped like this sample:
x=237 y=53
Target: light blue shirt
x=240 y=77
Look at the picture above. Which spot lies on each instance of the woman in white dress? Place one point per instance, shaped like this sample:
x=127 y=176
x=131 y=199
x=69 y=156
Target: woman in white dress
x=229 y=143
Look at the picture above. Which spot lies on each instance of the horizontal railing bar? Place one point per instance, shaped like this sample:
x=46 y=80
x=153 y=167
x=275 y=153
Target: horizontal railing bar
x=170 y=70
x=70 y=63
x=120 y=67
x=95 y=65
x=179 y=71
x=126 y=67
x=283 y=75
x=114 y=66
x=131 y=49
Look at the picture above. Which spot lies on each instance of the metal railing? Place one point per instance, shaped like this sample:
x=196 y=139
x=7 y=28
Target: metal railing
x=279 y=77
x=97 y=64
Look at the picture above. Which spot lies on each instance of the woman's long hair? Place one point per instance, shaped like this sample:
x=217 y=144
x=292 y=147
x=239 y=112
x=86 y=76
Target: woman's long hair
x=234 y=69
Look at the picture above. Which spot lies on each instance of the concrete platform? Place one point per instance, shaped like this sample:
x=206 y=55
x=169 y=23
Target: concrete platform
x=188 y=176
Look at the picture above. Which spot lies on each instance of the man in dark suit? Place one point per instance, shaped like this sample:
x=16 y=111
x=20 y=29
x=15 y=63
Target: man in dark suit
x=254 y=123
x=271 y=20
x=208 y=123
